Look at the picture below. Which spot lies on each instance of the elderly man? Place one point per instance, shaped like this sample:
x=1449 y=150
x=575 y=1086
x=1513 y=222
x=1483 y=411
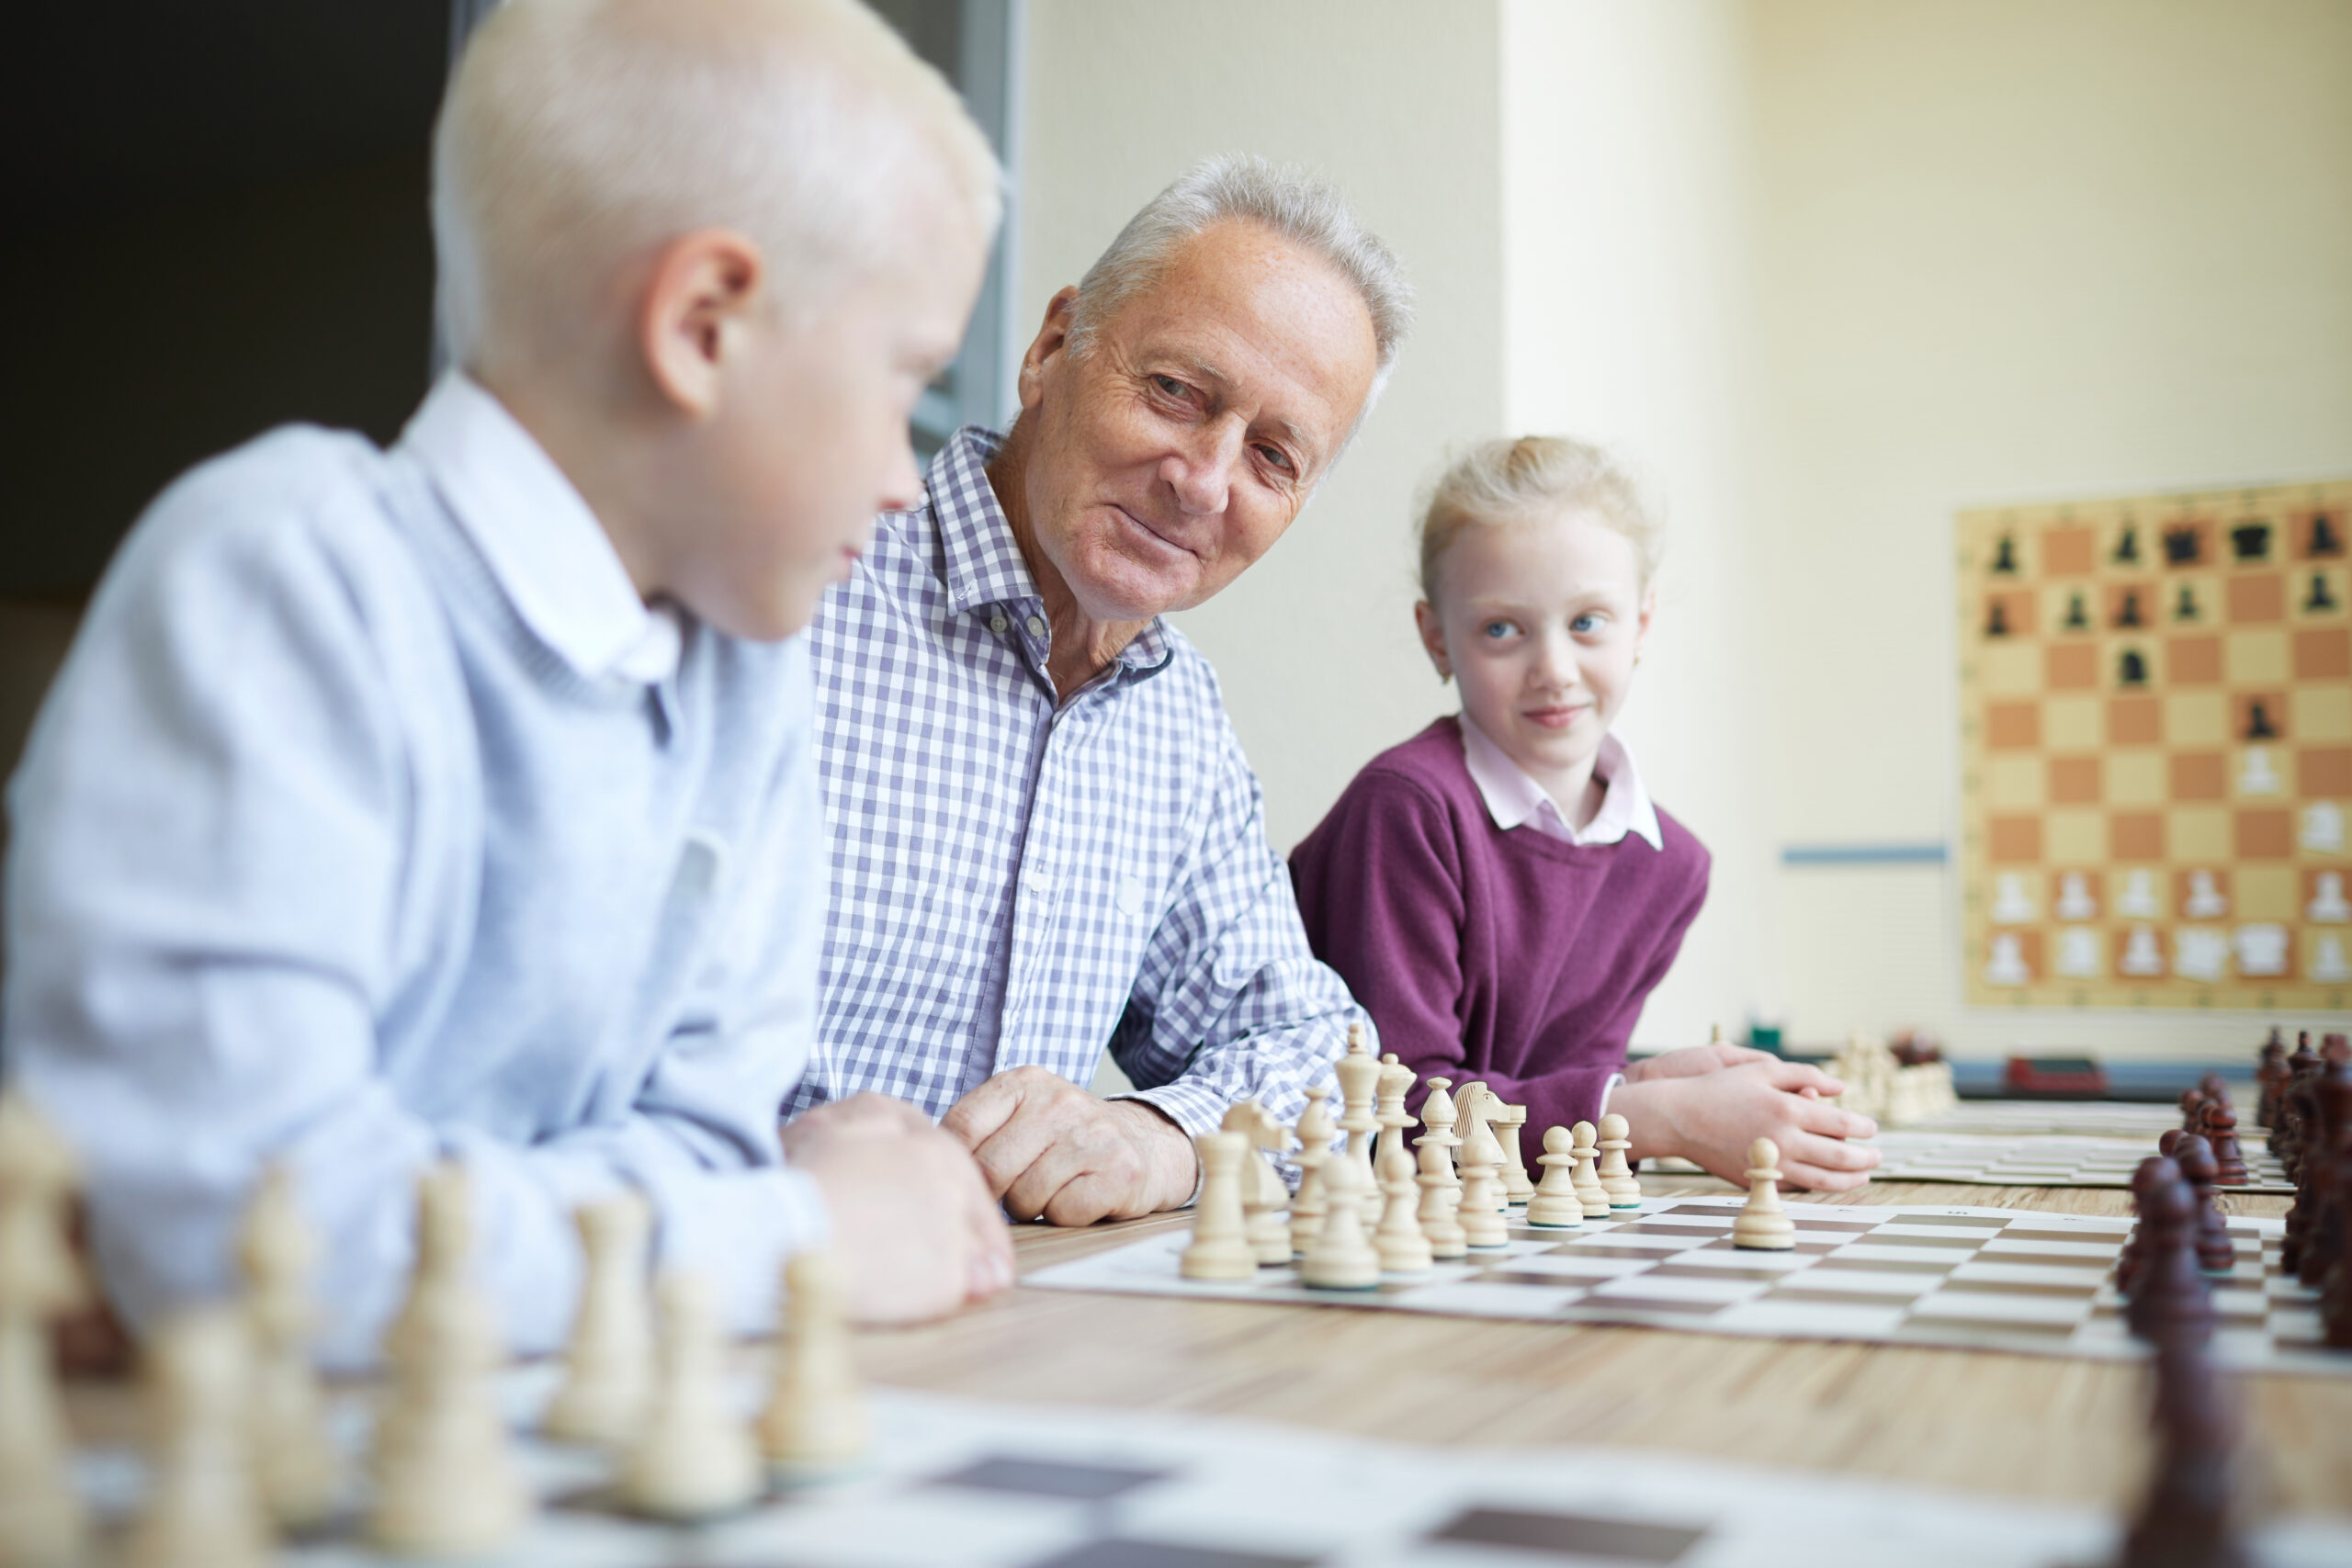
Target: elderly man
x=1045 y=838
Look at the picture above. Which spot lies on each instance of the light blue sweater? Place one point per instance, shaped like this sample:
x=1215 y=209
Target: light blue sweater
x=319 y=854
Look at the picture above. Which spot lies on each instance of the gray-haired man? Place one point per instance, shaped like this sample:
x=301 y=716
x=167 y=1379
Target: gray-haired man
x=1045 y=838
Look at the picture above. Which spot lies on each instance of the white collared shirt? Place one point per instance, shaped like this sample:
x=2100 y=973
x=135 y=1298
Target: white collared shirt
x=551 y=558
x=1514 y=799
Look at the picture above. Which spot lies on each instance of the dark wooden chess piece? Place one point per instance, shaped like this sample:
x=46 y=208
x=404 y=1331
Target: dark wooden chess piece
x=2320 y=598
x=2192 y=1109
x=2294 y=1103
x=2271 y=1076
x=2326 y=1161
x=2184 y=1521
x=2222 y=1133
x=2169 y=1295
x=2155 y=1171
x=2216 y=1253
x=2335 y=1288
x=2214 y=1086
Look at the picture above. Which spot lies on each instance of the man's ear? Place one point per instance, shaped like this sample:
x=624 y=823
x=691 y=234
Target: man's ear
x=1432 y=638
x=1052 y=339
x=694 y=314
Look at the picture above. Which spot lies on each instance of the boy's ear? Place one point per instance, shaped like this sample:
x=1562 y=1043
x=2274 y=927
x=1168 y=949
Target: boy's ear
x=694 y=311
x=1432 y=638
x=1052 y=338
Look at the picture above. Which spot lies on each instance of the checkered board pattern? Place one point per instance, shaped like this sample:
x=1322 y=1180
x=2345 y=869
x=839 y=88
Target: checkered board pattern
x=962 y=1484
x=2078 y=1118
x=1962 y=1278
x=2040 y=1161
x=2156 y=752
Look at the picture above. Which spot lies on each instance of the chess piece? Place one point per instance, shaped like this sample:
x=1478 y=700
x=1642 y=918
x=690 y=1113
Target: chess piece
x=1585 y=1149
x=2127 y=615
x=2205 y=902
x=2315 y=1225
x=2005 y=555
x=2141 y=953
x=2169 y=1295
x=1220 y=1249
x=1441 y=1194
x=1315 y=1132
x=1617 y=1176
x=2229 y=1158
x=2216 y=1254
x=2184 y=1521
x=446 y=1483
x=203 y=1508
x=2324 y=827
x=2329 y=964
x=1762 y=1224
x=2326 y=540
x=2328 y=905
x=2127 y=548
x=1395 y=1083
x=1359 y=1075
x=1516 y=1188
x=1402 y=1248
x=2132 y=667
x=2258 y=726
x=2074 y=900
x=696 y=1457
x=2078 y=952
x=42 y=1518
x=2258 y=777
x=1339 y=1257
x=2184 y=546
x=2251 y=541
x=2320 y=598
x=1482 y=1205
x=2078 y=618
x=2156 y=1170
x=2006 y=966
x=1996 y=620
x=2184 y=607
x=2139 y=901
x=2012 y=905
x=1557 y=1204
x=2270 y=1075
x=1265 y=1202
x=294 y=1458
x=815 y=1421
x=608 y=1364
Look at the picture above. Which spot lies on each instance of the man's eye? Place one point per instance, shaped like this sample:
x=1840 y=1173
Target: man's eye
x=1168 y=385
x=1277 y=458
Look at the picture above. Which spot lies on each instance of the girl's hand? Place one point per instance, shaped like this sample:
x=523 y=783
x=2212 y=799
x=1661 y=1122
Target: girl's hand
x=1710 y=1118
x=1692 y=1060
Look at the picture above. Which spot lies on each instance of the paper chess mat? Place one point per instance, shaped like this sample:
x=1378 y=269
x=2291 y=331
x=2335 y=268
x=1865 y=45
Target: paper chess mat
x=2041 y=1160
x=1963 y=1278
x=964 y=1485
x=2156 y=750
x=2079 y=1118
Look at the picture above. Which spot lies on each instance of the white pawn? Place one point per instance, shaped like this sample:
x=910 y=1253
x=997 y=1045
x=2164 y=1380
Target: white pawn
x=1617 y=1178
x=2258 y=777
x=1220 y=1249
x=294 y=1458
x=2074 y=900
x=2205 y=900
x=2006 y=966
x=1506 y=1121
x=202 y=1509
x=43 y=1519
x=1316 y=1131
x=2328 y=963
x=815 y=1422
x=1403 y=1248
x=1482 y=1189
x=608 y=1365
x=2139 y=901
x=2141 y=953
x=1340 y=1258
x=1557 y=1204
x=2329 y=904
x=446 y=1482
x=1587 y=1151
x=2324 y=827
x=696 y=1456
x=1265 y=1202
x=1761 y=1226
x=2012 y=905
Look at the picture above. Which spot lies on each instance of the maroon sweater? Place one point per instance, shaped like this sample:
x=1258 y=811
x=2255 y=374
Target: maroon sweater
x=1481 y=954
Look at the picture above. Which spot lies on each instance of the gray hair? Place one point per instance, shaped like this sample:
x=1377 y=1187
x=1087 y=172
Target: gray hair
x=1536 y=476
x=1285 y=201
x=578 y=132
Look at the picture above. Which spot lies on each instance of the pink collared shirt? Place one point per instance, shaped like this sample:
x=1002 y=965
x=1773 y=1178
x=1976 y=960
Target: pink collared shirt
x=1513 y=799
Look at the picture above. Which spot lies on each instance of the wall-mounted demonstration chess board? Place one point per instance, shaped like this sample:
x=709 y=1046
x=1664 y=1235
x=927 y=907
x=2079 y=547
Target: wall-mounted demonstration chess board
x=2156 y=750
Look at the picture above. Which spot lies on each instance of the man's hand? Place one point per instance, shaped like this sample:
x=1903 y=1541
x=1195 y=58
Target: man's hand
x=1711 y=1117
x=1051 y=1150
x=916 y=1231
x=1692 y=1060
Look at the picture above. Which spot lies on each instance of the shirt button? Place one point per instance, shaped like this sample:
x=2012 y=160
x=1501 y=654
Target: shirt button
x=996 y=623
x=1036 y=626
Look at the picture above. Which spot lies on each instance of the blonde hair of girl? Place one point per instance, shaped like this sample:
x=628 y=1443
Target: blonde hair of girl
x=1533 y=475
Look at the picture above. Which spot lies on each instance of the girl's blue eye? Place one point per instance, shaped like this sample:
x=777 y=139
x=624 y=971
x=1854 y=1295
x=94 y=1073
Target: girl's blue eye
x=1497 y=629
x=1584 y=623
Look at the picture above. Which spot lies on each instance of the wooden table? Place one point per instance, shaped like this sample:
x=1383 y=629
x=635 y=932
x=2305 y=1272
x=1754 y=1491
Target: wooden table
x=2023 y=1426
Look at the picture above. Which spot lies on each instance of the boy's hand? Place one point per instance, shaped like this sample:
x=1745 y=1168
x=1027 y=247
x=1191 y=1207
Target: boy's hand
x=1692 y=1060
x=1711 y=1117
x=914 y=1228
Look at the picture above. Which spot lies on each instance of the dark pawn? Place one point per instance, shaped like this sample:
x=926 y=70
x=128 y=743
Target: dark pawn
x=2192 y=1109
x=2327 y=1165
x=2184 y=1521
x=2169 y=1297
x=2294 y=1101
x=2222 y=1133
x=2216 y=1253
x=2215 y=1087
x=2155 y=1171
x=2271 y=1076
x=2166 y=1139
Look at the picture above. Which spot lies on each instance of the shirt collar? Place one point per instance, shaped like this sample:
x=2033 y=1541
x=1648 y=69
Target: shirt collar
x=550 y=556
x=983 y=559
x=1514 y=799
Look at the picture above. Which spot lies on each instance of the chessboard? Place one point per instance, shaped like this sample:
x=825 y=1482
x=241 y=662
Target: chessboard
x=2042 y=1160
x=966 y=1485
x=2072 y=1117
x=1967 y=1279
x=2156 y=750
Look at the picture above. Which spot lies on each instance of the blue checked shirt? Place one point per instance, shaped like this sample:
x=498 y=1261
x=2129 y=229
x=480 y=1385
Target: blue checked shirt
x=1014 y=885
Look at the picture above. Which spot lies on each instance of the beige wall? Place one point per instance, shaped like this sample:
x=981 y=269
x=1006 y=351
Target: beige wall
x=1396 y=101
x=2007 y=249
